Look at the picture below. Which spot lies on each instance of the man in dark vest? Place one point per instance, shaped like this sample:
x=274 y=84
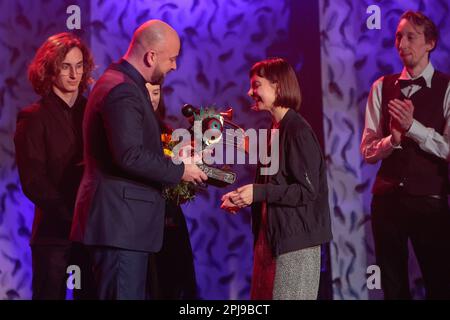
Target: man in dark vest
x=407 y=127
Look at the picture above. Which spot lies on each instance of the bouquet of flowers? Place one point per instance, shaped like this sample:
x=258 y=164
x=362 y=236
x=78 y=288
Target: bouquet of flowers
x=184 y=191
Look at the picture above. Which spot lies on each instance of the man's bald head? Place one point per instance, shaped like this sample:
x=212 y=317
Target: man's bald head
x=154 y=49
x=153 y=34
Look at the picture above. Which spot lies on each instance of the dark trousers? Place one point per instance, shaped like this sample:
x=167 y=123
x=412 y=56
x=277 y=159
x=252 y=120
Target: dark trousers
x=50 y=275
x=426 y=222
x=119 y=274
x=171 y=270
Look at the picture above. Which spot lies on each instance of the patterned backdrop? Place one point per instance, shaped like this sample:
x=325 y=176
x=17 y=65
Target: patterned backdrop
x=220 y=41
x=353 y=57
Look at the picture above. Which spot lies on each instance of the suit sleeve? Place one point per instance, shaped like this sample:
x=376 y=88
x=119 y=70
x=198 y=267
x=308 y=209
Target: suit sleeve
x=304 y=161
x=29 y=141
x=123 y=116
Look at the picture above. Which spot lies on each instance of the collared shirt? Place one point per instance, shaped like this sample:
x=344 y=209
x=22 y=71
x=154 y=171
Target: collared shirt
x=375 y=146
x=49 y=149
x=70 y=113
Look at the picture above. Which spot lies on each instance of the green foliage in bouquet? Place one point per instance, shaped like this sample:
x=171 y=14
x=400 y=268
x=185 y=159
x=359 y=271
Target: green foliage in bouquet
x=184 y=191
x=181 y=193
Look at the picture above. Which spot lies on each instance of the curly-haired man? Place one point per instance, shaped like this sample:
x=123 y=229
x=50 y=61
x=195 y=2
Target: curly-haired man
x=48 y=143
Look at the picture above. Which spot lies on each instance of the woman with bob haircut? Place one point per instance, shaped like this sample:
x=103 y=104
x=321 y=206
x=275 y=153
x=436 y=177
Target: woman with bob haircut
x=290 y=210
x=171 y=272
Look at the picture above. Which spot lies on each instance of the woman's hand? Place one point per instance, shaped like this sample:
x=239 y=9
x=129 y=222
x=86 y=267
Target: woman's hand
x=227 y=203
x=243 y=196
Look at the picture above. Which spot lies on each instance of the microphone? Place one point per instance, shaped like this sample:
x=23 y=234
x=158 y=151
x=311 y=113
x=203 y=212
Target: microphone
x=189 y=110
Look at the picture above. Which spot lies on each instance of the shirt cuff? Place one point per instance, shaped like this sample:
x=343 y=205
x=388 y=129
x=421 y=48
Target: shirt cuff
x=387 y=146
x=417 y=132
x=259 y=192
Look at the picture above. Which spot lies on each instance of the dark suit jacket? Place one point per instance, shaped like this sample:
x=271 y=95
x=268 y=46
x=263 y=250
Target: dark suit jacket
x=49 y=148
x=119 y=203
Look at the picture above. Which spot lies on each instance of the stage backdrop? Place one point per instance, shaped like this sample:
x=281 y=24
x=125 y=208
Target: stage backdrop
x=220 y=41
x=353 y=57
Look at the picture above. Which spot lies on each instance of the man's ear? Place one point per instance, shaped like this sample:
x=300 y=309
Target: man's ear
x=431 y=44
x=150 y=58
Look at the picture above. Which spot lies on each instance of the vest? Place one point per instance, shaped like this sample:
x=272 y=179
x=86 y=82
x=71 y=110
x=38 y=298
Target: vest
x=412 y=170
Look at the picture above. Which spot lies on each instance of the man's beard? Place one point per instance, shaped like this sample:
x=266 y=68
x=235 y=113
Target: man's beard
x=157 y=77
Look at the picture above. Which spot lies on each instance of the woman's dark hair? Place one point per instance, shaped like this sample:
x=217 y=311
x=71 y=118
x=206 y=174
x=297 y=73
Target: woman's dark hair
x=161 y=110
x=161 y=114
x=279 y=71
